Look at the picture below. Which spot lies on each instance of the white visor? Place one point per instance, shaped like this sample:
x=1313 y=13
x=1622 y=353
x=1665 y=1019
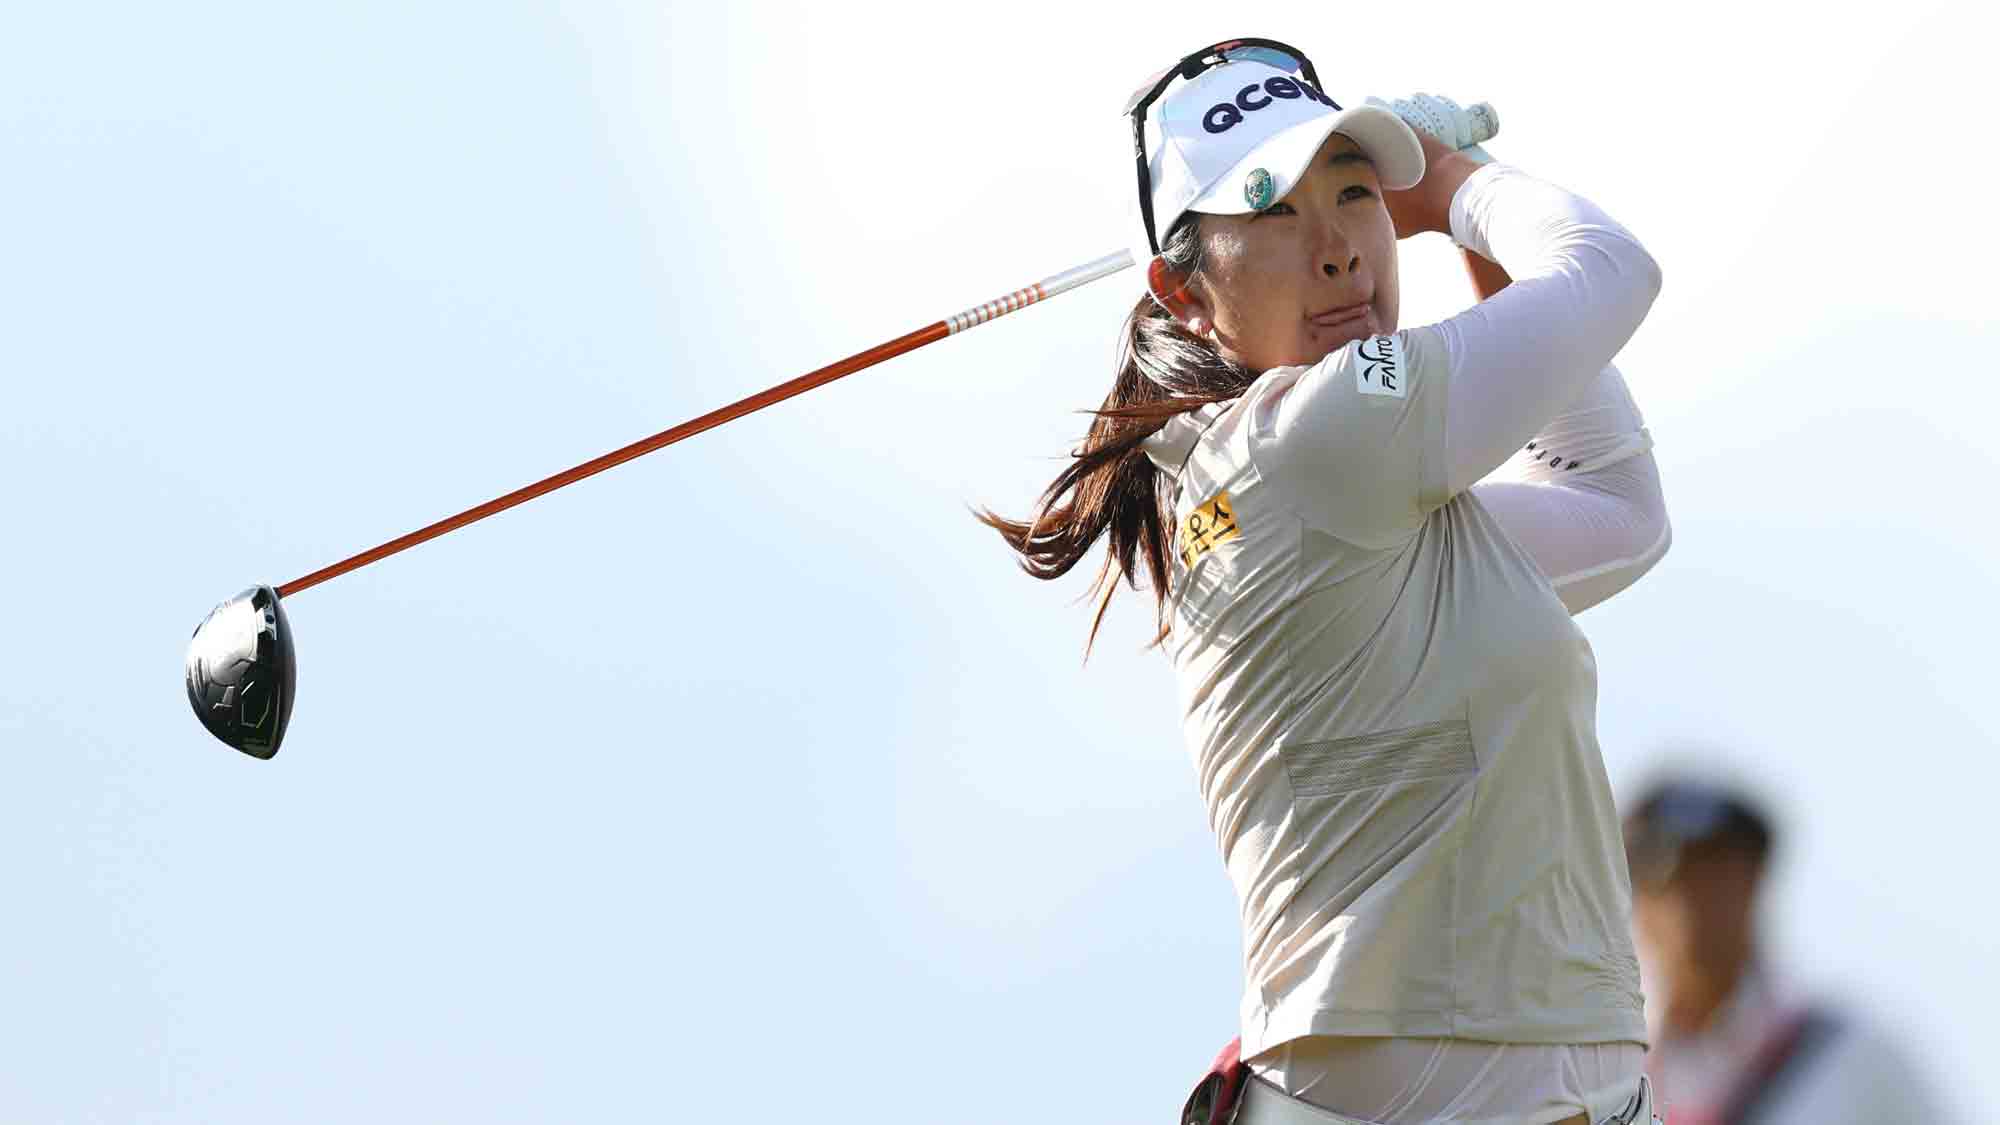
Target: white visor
x=1239 y=137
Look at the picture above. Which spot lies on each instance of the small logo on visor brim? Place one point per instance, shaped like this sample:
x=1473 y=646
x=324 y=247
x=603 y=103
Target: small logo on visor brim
x=1259 y=190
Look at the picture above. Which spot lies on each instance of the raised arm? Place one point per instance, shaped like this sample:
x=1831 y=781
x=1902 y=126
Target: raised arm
x=1581 y=285
x=1583 y=496
x=1385 y=430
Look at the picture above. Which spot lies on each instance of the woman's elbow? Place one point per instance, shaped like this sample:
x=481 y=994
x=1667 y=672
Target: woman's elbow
x=1650 y=275
x=1663 y=539
x=1640 y=275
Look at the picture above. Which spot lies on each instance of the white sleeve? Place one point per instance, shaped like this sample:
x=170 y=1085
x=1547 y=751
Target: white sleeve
x=1583 y=497
x=1581 y=286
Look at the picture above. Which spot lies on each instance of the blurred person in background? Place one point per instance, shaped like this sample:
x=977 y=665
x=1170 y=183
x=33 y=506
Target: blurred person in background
x=1733 y=1041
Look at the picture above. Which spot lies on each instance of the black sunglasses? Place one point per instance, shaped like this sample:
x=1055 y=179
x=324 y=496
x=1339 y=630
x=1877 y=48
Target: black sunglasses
x=1233 y=50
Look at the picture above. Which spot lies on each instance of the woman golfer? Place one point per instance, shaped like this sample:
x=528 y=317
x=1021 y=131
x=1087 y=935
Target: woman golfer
x=1390 y=711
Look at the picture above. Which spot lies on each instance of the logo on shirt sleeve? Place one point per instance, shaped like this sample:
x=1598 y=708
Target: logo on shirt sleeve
x=1214 y=522
x=1379 y=368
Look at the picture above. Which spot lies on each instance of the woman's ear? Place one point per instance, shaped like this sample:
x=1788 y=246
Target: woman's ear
x=1172 y=288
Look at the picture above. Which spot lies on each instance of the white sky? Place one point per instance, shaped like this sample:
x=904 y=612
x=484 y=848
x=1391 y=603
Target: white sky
x=752 y=768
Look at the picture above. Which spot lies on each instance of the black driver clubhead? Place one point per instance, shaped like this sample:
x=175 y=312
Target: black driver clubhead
x=240 y=672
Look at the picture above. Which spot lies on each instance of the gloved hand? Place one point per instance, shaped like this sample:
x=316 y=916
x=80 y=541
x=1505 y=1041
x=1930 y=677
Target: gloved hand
x=1461 y=127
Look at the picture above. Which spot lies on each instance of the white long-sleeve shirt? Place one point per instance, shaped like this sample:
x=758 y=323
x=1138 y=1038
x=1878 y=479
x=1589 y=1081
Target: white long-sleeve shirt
x=1390 y=711
x=1583 y=497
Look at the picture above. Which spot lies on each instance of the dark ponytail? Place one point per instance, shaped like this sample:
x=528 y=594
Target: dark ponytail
x=1111 y=487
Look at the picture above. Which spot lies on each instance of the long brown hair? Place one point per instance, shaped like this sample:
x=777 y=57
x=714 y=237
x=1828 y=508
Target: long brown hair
x=1110 y=486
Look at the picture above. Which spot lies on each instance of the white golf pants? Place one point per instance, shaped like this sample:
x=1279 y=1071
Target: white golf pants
x=1265 y=1104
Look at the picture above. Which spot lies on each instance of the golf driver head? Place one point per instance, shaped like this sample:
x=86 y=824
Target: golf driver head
x=240 y=672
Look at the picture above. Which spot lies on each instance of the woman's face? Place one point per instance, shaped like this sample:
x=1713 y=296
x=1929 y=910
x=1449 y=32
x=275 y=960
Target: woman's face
x=1292 y=283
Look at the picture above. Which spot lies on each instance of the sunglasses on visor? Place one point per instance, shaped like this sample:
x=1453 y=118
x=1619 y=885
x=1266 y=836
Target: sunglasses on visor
x=1267 y=51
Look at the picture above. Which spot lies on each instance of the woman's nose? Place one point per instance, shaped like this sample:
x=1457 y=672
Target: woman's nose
x=1333 y=269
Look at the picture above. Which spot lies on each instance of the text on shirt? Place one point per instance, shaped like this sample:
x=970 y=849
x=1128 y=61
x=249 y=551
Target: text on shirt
x=1211 y=523
x=1378 y=366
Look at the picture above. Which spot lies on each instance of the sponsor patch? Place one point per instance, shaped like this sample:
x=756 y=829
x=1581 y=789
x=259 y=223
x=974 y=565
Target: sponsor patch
x=1214 y=522
x=1379 y=368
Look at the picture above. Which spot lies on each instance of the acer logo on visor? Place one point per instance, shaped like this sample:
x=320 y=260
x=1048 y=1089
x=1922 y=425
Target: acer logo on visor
x=1224 y=116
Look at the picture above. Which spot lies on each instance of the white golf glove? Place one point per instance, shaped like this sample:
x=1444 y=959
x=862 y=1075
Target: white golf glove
x=1461 y=127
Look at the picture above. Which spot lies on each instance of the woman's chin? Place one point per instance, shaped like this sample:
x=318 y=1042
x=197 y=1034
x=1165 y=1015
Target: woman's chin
x=1329 y=340
x=1319 y=341
x=1320 y=347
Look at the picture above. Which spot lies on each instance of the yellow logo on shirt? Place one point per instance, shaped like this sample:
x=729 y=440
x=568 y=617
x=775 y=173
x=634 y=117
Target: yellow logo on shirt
x=1212 y=523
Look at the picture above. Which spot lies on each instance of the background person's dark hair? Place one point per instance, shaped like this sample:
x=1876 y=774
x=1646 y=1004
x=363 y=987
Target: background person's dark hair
x=1683 y=816
x=1111 y=487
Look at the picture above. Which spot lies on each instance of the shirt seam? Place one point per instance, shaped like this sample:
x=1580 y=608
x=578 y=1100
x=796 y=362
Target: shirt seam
x=1455 y=911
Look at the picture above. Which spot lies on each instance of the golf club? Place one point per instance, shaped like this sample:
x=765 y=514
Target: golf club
x=242 y=674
